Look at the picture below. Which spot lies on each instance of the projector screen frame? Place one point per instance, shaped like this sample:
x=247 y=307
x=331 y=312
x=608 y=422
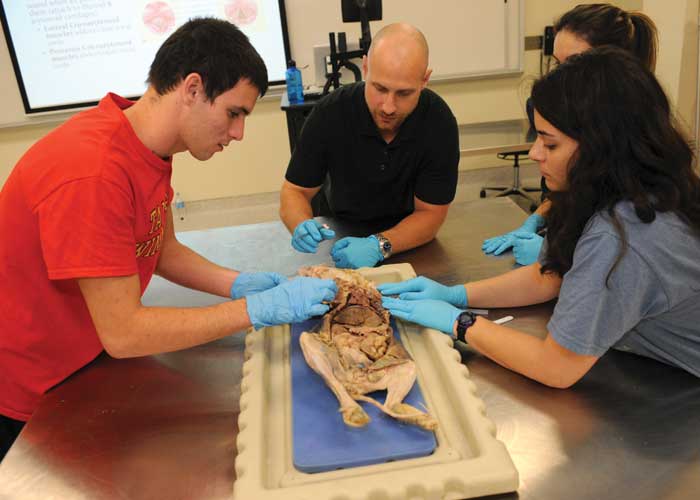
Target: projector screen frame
x=30 y=110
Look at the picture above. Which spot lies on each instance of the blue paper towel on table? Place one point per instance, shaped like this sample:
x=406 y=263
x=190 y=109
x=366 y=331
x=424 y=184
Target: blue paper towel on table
x=320 y=439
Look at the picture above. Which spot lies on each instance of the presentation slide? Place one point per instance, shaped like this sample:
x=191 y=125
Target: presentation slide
x=71 y=52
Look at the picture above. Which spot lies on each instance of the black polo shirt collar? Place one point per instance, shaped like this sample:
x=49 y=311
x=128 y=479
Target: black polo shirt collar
x=407 y=131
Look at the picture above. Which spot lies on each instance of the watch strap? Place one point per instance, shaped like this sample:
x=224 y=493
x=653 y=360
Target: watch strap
x=464 y=321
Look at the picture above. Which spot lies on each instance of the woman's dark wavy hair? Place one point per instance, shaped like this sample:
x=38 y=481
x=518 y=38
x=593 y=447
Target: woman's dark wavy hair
x=216 y=50
x=629 y=148
x=604 y=24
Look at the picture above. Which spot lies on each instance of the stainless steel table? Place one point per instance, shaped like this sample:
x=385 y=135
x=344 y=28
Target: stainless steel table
x=164 y=426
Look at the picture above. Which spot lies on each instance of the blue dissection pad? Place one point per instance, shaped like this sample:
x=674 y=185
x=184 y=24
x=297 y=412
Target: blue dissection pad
x=322 y=441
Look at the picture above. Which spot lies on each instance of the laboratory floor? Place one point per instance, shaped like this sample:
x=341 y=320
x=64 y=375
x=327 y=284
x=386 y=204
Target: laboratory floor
x=264 y=207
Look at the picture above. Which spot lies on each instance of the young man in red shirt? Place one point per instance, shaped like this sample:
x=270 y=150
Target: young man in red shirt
x=85 y=223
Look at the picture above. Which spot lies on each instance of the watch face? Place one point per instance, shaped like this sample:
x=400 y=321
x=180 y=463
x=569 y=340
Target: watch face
x=384 y=245
x=466 y=319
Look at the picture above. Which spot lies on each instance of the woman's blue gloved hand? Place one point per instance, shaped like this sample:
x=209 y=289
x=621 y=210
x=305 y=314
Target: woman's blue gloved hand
x=499 y=244
x=308 y=234
x=431 y=313
x=526 y=248
x=291 y=302
x=249 y=283
x=351 y=252
x=424 y=288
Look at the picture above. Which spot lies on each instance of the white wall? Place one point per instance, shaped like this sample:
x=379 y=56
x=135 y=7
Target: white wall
x=677 y=64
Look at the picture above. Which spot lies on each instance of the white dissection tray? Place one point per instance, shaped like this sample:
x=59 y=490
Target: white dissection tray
x=468 y=462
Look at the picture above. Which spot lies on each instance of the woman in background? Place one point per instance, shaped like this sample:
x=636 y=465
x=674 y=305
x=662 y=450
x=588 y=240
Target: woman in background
x=580 y=29
x=623 y=233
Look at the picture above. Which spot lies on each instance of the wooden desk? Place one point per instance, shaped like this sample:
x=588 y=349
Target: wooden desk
x=165 y=426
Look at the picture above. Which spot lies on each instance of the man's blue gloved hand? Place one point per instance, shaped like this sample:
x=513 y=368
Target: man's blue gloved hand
x=424 y=288
x=499 y=244
x=291 y=302
x=250 y=283
x=526 y=248
x=308 y=234
x=431 y=313
x=351 y=253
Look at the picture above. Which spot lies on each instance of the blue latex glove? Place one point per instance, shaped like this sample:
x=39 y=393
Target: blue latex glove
x=308 y=234
x=353 y=252
x=526 y=248
x=499 y=244
x=431 y=313
x=424 y=288
x=291 y=302
x=250 y=283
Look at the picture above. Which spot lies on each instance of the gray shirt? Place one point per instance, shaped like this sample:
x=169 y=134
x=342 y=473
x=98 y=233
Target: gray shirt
x=651 y=304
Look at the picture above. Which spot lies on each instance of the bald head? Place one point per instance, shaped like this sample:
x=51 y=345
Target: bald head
x=401 y=43
x=396 y=72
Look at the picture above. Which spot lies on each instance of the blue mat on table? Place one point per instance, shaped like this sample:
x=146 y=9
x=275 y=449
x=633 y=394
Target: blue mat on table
x=320 y=439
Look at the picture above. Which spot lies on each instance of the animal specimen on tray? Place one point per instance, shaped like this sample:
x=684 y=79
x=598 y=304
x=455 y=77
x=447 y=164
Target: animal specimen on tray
x=355 y=351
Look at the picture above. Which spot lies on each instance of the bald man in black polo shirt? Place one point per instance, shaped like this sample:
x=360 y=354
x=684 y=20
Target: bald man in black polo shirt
x=385 y=151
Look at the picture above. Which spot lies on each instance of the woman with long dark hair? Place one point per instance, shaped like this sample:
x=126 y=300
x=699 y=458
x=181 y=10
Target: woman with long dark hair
x=580 y=29
x=622 y=248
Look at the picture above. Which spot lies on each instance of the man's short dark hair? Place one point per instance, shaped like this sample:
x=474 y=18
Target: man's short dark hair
x=216 y=50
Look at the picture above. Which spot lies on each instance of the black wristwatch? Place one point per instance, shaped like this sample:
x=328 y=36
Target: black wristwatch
x=464 y=321
x=384 y=245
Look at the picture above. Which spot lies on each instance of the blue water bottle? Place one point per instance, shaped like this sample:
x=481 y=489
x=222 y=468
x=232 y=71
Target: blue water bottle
x=295 y=90
x=179 y=205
